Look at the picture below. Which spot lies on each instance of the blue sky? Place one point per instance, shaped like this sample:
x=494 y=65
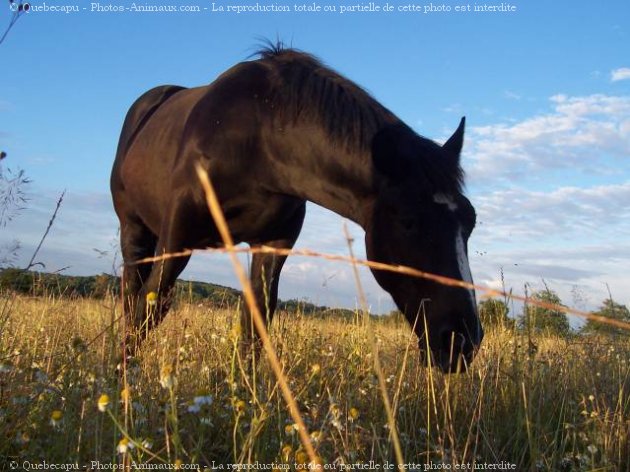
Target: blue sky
x=546 y=91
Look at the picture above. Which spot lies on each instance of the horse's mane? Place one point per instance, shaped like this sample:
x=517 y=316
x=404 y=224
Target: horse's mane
x=306 y=88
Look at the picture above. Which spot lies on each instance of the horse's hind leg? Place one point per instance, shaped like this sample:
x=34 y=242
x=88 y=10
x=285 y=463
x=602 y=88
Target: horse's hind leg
x=265 y=275
x=155 y=295
x=137 y=242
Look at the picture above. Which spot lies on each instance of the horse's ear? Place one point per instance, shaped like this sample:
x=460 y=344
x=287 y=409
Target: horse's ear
x=453 y=147
x=386 y=155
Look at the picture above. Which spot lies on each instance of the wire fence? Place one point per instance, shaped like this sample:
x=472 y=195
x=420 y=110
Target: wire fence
x=400 y=269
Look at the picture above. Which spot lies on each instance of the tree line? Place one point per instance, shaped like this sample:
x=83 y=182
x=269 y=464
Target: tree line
x=35 y=283
x=493 y=312
x=539 y=319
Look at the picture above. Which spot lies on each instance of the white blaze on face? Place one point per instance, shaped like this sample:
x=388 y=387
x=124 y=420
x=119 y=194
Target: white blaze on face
x=464 y=270
x=460 y=251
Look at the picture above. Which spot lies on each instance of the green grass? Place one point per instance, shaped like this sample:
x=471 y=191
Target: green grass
x=559 y=404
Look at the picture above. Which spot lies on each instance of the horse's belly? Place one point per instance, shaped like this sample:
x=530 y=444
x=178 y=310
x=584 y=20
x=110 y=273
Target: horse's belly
x=262 y=219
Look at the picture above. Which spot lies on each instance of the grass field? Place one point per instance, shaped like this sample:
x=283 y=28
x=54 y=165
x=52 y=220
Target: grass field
x=544 y=403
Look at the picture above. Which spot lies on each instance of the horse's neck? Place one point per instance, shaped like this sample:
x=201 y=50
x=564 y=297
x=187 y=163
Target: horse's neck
x=309 y=166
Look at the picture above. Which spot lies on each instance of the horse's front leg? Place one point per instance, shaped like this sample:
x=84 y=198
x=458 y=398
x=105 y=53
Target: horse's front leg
x=265 y=276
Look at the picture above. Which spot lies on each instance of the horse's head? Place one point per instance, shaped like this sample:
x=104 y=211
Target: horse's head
x=421 y=219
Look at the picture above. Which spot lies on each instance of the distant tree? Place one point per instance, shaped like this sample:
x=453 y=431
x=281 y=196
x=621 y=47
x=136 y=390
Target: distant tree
x=337 y=314
x=493 y=312
x=395 y=318
x=609 y=309
x=300 y=306
x=102 y=285
x=16 y=280
x=543 y=319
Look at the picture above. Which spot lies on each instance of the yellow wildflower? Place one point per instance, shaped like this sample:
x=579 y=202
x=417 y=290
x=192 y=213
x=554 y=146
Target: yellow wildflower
x=103 y=403
x=124 y=445
x=56 y=417
x=239 y=406
x=152 y=298
x=125 y=394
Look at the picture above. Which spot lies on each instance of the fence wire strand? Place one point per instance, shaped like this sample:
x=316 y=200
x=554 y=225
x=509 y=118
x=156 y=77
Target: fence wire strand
x=400 y=269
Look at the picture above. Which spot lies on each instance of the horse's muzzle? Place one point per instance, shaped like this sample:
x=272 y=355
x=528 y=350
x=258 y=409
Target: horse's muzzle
x=454 y=354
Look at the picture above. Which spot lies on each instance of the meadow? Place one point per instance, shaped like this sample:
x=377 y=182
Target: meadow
x=529 y=402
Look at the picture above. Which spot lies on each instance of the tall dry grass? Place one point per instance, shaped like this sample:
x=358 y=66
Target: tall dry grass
x=549 y=404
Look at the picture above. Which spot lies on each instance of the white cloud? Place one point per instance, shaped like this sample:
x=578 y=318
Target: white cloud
x=579 y=133
x=568 y=236
x=620 y=74
x=570 y=212
x=551 y=193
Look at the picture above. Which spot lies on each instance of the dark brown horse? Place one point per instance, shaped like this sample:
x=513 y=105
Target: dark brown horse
x=276 y=132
